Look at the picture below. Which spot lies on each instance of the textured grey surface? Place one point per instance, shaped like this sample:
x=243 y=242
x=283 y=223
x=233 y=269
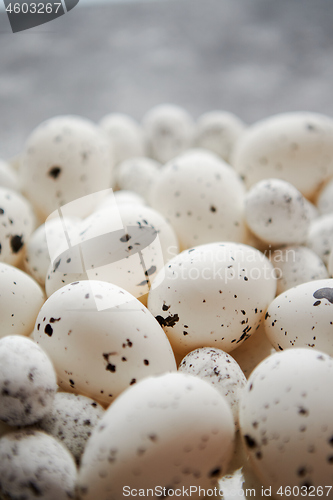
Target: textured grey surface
x=252 y=57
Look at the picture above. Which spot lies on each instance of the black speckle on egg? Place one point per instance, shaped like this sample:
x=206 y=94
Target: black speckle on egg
x=54 y=172
x=48 y=330
x=215 y=472
x=16 y=243
x=250 y=442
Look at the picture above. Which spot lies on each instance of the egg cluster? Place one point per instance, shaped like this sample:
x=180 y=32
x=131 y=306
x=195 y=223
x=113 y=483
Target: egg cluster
x=166 y=312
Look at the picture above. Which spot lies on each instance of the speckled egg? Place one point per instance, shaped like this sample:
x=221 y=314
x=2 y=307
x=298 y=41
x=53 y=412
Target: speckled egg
x=218 y=131
x=218 y=369
x=168 y=432
x=35 y=465
x=125 y=136
x=21 y=299
x=276 y=212
x=302 y=317
x=125 y=244
x=8 y=176
x=101 y=339
x=169 y=131
x=65 y=158
x=286 y=421
x=202 y=197
x=71 y=420
x=17 y=222
x=212 y=295
x=138 y=175
x=27 y=381
x=294 y=147
x=296 y=265
x=320 y=236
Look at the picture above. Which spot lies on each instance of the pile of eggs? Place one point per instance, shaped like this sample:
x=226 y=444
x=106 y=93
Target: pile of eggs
x=166 y=325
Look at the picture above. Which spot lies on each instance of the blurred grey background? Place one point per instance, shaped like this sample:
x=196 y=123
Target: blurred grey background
x=251 y=57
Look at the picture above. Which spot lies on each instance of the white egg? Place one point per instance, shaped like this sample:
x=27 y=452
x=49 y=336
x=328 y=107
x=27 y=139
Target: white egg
x=212 y=295
x=166 y=433
x=8 y=176
x=218 y=369
x=325 y=199
x=65 y=158
x=35 y=465
x=27 y=381
x=125 y=136
x=294 y=147
x=17 y=222
x=101 y=339
x=125 y=244
x=138 y=175
x=286 y=421
x=120 y=197
x=296 y=265
x=202 y=197
x=21 y=299
x=320 y=236
x=71 y=420
x=276 y=212
x=302 y=317
x=218 y=131
x=169 y=131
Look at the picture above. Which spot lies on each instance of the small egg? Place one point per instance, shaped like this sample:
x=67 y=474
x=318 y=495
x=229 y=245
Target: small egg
x=101 y=339
x=17 y=222
x=302 y=317
x=320 y=236
x=277 y=213
x=212 y=295
x=27 y=381
x=65 y=158
x=169 y=131
x=294 y=147
x=218 y=369
x=218 y=131
x=21 y=299
x=286 y=421
x=170 y=432
x=138 y=175
x=8 y=177
x=296 y=265
x=71 y=420
x=202 y=197
x=35 y=465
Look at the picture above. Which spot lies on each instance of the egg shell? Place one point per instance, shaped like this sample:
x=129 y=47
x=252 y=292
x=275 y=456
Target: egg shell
x=119 y=197
x=320 y=236
x=8 y=176
x=286 y=420
x=218 y=131
x=296 y=265
x=295 y=147
x=125 y=244
x=124 y=135
x=170 y=432
x=21 y=299
x=202 y=197
x=212 y=295
x=65 y=158
x=138 y=175
x=169 y=131
x=17 y=222
x=33 y=464
x=101 y=339
x=276 y=212
x=325 y=198
x=302 y=317
x=218 y=369
x=71 y=420
x=27 y=381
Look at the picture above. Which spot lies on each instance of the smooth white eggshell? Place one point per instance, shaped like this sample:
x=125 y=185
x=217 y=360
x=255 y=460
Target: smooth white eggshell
x=35 y=465
x=295 y=147
x=27 y=381
x=101 y=339
x=276 y=212
x=202 y=197
x=169 y=131
x=65 y=158
x=21 y=299
x=172 y=431
x=302 y=317
x=138 y=175
x=296 y=265
x=8 y=176
x=212 y=295
x=286 y=420
x=120 y=197
x=320 y=236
